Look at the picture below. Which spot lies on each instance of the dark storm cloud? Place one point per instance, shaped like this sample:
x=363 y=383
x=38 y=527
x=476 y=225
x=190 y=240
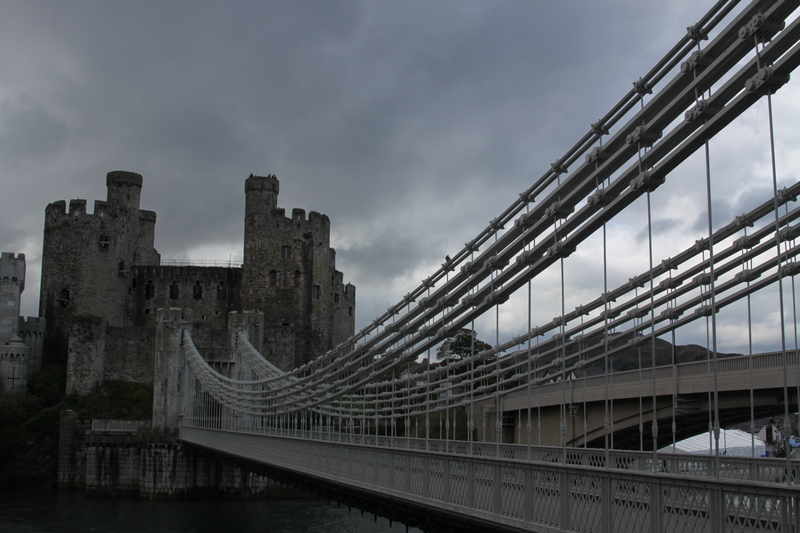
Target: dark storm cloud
x=410 y=124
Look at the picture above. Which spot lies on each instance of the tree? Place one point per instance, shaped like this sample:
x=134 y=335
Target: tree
x=461 y=345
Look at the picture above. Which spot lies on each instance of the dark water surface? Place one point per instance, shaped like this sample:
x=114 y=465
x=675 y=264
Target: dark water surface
x=63 y=512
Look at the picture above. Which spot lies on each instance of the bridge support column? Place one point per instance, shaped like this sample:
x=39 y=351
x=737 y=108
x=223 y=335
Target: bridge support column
x=169 y=372
x=251 y=324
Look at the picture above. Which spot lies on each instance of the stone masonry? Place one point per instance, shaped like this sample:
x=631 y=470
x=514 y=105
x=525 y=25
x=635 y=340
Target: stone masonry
x=20 y=338
x=103 y=284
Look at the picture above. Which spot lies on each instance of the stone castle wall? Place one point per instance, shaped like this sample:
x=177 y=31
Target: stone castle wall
x=150 y=463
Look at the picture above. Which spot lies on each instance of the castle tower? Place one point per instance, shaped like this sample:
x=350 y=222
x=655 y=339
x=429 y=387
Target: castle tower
x=86 y=258
x=14 y=354
x=289 y=274
x=12 y=283
x=14 y=357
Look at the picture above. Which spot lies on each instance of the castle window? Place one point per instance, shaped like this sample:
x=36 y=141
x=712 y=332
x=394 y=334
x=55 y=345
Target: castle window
x=149 y=290
x=63 y=298
x=285 y=280
x=174 y=291
x=298 y=279
x=272 y=279
x=286 y=252
x=316 y=292
x=121 y=268
x=104 y=242
x=197 y=291
x=336 y=297
x=222 y=294
x=350 y=311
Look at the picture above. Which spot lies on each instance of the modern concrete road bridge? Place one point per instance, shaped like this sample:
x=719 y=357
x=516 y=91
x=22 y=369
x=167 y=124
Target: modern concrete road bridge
x=682 y=393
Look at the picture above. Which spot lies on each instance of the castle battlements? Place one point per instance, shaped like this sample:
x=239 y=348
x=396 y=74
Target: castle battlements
x=104 y=265
x=12 y=269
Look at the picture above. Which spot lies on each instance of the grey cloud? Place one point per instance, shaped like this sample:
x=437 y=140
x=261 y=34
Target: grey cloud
x=421 y=119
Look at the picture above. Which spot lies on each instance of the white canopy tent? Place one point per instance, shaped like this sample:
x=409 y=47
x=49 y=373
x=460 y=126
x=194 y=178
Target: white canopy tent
x=731 y=442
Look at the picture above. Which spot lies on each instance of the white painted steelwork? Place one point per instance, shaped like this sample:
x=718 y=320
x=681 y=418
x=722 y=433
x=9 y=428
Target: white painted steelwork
x=353 y=416
x=544 y=494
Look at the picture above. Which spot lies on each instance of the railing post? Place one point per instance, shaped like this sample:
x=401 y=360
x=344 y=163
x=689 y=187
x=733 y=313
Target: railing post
x=527 y=491
x=446 y=481
x=407 y=473
x=471 y=483
x=605 y=504
x=426 y=477
x=655 y=506
x=563 y=492
x=714 y=509
x=498 y=492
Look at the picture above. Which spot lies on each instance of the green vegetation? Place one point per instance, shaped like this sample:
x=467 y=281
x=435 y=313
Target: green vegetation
x=463 y=344
x=29 y=423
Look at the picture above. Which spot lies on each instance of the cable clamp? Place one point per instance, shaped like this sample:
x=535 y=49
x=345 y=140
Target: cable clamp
x=673 y=313
x=643 y=137
x=559 y=210
x=597 y=155
x=747 y=276
x=766 y=81
x=600 y=197
x=647 y=181
x=598 y=128
x=560 y=249
x=496 y=263
x=695 y=61
x=703 y=111
x=697 y=33
x=784 y=196
x=790 y=233
x=790 y=269
x=762 y=28
x=529 y=257
x=642 y=87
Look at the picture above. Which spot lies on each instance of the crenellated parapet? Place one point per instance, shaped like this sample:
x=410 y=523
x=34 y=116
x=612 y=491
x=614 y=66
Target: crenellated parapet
x=12 y=269
x=32 y=330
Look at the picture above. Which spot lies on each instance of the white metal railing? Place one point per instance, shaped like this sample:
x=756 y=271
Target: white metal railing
x=546 y=493
x=201 y=263
x=119 y=426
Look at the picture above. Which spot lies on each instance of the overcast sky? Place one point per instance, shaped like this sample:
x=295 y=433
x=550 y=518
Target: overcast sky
x=410 y=124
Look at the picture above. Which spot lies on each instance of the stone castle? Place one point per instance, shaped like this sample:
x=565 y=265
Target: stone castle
x=20 y=337
x=102 y=283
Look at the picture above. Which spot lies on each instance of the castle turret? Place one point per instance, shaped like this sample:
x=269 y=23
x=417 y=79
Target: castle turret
x=124 y=189
x=261 y=195
x=12 y=283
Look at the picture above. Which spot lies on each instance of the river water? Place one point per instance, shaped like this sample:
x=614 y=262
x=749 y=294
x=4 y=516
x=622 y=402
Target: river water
x=68 y=512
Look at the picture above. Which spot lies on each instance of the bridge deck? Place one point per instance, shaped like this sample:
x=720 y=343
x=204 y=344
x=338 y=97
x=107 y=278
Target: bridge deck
x=559 y=490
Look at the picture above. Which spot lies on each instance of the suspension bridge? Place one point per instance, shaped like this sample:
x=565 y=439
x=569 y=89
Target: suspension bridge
x=545 y=431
